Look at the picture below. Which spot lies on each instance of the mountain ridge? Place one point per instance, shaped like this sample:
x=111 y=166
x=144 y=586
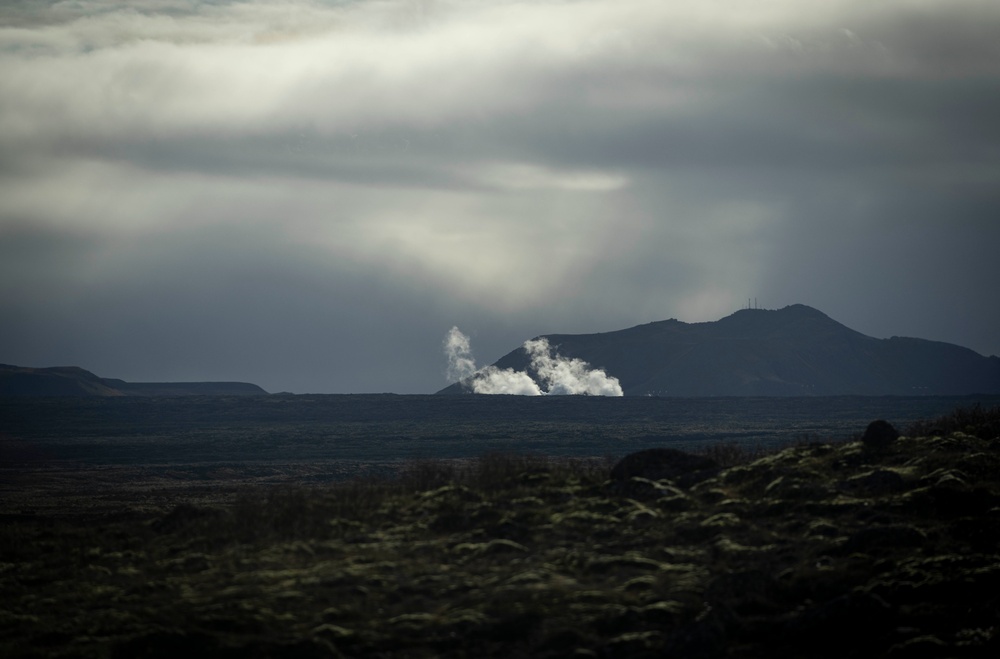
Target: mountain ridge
x=793 y=351
x=78 y=382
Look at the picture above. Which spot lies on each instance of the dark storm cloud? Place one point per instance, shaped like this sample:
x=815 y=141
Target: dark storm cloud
x=217 y=304
x=309 y=195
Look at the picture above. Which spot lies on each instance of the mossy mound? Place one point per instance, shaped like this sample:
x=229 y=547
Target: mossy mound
x=822 y=550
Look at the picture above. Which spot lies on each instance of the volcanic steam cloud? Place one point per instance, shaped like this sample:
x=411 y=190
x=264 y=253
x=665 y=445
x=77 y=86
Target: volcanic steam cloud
x=557 y=375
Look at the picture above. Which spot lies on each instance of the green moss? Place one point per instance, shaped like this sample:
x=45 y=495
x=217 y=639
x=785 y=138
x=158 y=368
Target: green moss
x=532 y=560
x=722 y=521
x=629 y=561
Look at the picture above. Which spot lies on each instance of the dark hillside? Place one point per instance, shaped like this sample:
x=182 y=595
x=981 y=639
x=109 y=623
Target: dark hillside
x=186 y=388
x=61 y=381
x=795 y=351
x=58 y=381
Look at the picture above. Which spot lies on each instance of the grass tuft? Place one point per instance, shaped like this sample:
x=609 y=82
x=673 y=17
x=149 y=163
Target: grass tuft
x=978 y=421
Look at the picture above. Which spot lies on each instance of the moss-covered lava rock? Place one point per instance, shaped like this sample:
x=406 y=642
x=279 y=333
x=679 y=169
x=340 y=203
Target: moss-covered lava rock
x=821 y=550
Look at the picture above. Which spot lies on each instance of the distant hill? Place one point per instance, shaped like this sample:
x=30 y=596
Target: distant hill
x=75 y=381
x=795 y=351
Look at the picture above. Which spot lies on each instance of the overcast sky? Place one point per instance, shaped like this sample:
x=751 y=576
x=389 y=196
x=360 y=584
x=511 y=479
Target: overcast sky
x=309 y=194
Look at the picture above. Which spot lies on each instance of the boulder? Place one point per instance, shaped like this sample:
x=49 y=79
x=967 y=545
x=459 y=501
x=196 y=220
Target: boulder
x=879 y=434
x=664 y=463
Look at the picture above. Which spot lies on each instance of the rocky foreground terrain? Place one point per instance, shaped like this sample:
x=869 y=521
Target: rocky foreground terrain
x=881 y=547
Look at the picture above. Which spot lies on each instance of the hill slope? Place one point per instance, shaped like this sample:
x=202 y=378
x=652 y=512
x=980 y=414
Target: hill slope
x=75 y=381
x=795 y=351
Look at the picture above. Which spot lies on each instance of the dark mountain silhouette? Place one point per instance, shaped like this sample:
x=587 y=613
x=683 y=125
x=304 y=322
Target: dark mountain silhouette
x=795 y=351
x=75 y=381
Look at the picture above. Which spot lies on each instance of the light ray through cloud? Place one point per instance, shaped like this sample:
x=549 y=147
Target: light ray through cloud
x=379 y=169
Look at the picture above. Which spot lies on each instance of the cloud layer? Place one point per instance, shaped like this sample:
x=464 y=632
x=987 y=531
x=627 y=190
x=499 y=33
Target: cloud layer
x=306 y=194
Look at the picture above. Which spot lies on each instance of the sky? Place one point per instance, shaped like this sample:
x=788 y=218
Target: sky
x=310 y=194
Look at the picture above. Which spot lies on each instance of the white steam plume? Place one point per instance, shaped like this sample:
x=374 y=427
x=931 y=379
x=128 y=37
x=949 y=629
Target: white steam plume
x=569 y=376
x=492 y=380
x=461 y=365
x=560 y=376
